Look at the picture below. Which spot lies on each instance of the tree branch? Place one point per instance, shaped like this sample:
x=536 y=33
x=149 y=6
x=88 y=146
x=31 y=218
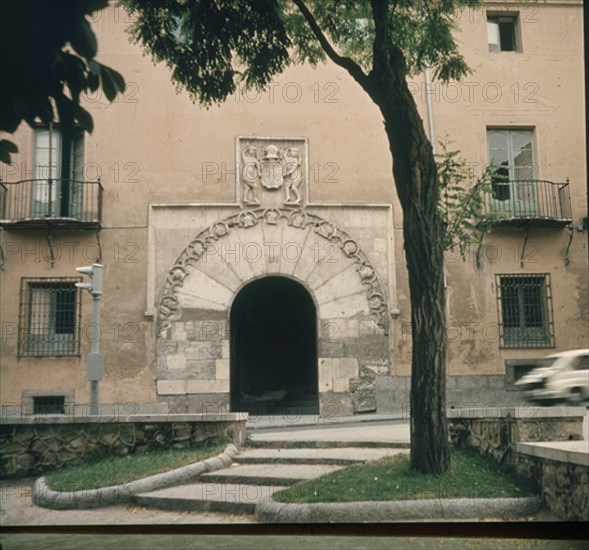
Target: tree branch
x=345 y=62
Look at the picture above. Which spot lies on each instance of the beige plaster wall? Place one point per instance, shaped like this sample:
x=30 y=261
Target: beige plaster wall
x=153 y=146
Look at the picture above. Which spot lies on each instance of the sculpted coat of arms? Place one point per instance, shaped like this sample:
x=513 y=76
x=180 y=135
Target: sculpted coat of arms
x=266 y=166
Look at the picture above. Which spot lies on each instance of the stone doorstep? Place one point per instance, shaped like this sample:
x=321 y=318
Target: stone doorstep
x=268 y=474
x=227 y=498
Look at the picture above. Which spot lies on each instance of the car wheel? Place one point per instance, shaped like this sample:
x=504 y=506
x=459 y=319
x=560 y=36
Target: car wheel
x=576 y=397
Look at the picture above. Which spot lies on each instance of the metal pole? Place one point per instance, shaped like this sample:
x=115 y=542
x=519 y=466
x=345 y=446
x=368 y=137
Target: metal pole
x=95 y=350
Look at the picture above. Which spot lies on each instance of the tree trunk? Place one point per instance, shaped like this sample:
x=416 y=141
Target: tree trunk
x=417 y=184
x=423 y=234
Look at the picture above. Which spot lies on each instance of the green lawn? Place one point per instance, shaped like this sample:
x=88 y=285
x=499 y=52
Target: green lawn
x=94 y=473
x=471 y=476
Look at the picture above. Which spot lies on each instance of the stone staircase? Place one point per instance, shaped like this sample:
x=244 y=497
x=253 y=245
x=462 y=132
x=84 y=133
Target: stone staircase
x=262 y=468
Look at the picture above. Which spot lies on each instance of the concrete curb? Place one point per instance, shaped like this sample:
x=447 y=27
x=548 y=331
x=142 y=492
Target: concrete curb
x=107 y=496
x=387 y=511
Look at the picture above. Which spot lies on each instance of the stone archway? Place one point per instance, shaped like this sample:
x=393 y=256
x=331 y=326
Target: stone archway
x=194 y=340
x=273 y=344
x=238 y=248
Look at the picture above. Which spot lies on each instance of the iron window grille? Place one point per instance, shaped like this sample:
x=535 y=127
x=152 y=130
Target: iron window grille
x=524 y=304
x=49 y=404
x=49 y=321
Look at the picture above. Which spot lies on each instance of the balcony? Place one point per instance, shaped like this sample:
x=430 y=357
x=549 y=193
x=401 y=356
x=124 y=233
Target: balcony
x=39 y=203
x=531 y=202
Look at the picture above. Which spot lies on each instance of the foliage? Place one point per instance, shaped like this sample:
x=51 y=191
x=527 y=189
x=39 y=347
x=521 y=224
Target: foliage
x=48 y=52
x=212 y=47
x=471 y=476
x=96 y=472
x=462 y=202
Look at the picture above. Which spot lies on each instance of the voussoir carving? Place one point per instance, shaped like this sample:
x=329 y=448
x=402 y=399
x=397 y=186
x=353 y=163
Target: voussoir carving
x=296 y=218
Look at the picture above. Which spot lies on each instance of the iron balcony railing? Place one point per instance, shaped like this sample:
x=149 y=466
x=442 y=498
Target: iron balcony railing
x=45 y=200
x=540 y=201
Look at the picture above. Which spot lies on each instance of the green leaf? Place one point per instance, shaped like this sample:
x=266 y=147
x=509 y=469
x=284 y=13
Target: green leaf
x=112 y=82
x=83 y=39
x=108 y=84
x=6 y=149
x=83 y=117
x=117 y=79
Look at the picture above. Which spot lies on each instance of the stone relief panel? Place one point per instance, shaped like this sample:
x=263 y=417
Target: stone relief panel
x=272 y=172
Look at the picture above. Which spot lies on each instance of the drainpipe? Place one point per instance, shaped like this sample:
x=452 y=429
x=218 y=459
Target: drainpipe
x=430 y=112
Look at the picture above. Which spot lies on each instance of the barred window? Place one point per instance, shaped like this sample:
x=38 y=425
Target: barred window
x=49 y=404
x=525 y=311
x=49 y=317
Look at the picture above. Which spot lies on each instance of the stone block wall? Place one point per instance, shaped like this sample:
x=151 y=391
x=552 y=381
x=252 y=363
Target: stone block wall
x=344 y=273
x=564 y=486
x=462 y=391
x=498 y=433
x=33 y=445
x=526 y=439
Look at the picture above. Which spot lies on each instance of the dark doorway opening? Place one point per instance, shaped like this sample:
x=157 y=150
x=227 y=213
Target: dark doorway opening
x=274 y=349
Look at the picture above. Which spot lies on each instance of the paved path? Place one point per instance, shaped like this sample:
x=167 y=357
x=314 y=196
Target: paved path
x=280 y=457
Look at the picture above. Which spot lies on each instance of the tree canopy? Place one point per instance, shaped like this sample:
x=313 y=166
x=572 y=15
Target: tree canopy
x=214 y=46
x=48 y=52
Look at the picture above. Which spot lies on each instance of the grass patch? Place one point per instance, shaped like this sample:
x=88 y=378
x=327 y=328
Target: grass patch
x=96 y=472
x=471 y=476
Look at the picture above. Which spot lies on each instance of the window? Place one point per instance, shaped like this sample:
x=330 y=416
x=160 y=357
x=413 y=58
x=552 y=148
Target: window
x=513 y=171
x=49 y=404
x=525 y=311
x=502 y=32
x=49 y=317
x=59 y=170
x=581 y=363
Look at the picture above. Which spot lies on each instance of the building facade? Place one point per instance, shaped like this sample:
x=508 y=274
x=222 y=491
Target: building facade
x=253 y=252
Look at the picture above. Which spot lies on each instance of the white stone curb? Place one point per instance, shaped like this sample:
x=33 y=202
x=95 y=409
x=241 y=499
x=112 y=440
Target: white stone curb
x=388 y=511
x=107 y=496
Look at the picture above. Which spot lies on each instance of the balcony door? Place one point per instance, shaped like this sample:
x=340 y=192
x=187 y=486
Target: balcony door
x=513 y=172
x=57 y=189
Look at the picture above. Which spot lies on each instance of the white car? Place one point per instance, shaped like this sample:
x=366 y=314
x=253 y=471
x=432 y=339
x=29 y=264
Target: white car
x=561 y=377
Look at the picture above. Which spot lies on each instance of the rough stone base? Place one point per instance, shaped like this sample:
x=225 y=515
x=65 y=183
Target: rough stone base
x=331 y=405
x=33 y=445
x=564 y=486
x=473 y=391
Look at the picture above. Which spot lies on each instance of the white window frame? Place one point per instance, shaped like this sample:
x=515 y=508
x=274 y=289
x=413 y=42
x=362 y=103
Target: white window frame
x=494 y=22
x=514 y=197
x=48 y=185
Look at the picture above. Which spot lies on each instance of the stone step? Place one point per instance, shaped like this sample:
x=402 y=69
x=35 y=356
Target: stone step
x=340 y=456
x=267 y=474
x=230 y=498
x=270 y=443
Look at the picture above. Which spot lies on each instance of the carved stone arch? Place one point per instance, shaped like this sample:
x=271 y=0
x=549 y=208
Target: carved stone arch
x=298 y=219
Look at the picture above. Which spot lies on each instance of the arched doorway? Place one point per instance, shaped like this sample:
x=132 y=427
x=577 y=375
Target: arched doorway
x=274 y=349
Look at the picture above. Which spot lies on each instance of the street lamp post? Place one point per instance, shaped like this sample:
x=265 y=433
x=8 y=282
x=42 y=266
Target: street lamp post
x=95 y=359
